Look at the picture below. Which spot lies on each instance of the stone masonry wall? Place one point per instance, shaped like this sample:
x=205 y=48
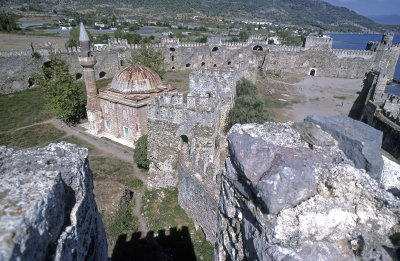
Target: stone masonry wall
x=289 y=193
x=17 y=67
x=48 y=211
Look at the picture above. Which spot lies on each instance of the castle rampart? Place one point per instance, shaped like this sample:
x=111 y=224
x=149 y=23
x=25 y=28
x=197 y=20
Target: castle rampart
x=317 y=53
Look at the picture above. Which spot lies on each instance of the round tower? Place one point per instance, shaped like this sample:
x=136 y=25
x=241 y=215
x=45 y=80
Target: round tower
x=87 y=61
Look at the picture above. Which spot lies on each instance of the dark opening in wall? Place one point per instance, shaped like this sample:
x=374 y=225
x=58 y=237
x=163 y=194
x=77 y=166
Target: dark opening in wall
x=102 y=74
x=122 y=62
x=78 y=76
x=31 y=82
x=384 y=42
x=185 y=139
x=172 y=58
x=257 y=48
x=312 y=72
x=203 y=63
x=188 y=65
x=215 y=65
x=173 y=68
x=229 y=62
x=47 y=64
x=215 y=49
x=172 y=49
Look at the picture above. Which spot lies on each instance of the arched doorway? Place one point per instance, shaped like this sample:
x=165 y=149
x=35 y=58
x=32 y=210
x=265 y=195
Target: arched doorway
x=313 y=72
x=258 y=48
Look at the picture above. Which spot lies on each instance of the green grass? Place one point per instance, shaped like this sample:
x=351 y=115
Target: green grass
x=111 y=167
x=162 y=211
x=275 y=103
x=38 y=135
x=134 y=183
x=119 y=223
x=340 y=97
x=22 y=109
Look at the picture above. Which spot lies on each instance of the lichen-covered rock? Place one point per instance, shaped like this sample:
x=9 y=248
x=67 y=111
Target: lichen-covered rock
x=348 y=218
x=360 y=142
x=47 y=206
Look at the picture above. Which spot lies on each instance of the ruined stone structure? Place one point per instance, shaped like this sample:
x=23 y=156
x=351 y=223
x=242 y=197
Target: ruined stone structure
x=289 y=193
x=316 y=57
x=185 y=140
x=47 y=205
x=382 y=111
x=120 y=109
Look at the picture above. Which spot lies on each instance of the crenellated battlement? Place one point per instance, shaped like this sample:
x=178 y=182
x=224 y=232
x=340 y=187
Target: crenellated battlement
x=170 y=107
x=284 y=48
x=353 y=53
x=318 y=42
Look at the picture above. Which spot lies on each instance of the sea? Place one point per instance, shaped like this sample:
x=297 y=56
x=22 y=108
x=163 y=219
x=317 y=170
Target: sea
x=359 y=42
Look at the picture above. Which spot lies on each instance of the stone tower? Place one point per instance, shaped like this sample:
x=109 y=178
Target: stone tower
x=87 y=61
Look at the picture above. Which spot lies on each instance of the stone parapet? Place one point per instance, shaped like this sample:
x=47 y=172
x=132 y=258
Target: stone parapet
x=48 y=211
x=291 y=194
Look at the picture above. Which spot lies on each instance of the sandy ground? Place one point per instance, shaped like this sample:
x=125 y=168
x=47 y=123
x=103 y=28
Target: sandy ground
x=314 y=95
x=22 y=42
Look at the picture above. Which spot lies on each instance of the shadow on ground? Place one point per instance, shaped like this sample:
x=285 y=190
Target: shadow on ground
x=175 y=246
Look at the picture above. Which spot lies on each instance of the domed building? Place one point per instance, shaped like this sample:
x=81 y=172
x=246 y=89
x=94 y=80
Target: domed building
x=124 y=101
x=119 y=111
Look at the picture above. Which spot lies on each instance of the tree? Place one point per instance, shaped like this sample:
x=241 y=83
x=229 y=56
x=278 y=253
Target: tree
x=148 y=56
x=243 y=35
x=140 y=153
x=64 y=96
x=8 y=22
x=248 y=108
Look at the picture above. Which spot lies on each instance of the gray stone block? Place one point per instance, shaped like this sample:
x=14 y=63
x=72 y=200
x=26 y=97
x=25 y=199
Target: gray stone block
x=280 y=177
x=360 y=142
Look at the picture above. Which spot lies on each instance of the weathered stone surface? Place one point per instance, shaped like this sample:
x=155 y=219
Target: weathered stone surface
x=281 y=177
x=360 y=142
x=349 y=218
x=47 y=207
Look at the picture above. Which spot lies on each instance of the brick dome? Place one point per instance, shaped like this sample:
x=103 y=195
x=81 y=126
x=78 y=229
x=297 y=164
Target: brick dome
x=136 y=79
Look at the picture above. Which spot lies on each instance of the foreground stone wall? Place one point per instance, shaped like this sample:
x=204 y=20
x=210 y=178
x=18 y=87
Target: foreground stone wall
x=48 y=211
x=289 y=193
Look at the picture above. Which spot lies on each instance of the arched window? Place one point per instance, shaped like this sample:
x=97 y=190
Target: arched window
x=313 y=72
x=78 y=76
x=102 y=74
x=172 y=49
x=215 y=49
x=257 y=48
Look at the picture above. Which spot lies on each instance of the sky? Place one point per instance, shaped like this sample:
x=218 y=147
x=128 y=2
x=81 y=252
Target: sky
x=370 y=7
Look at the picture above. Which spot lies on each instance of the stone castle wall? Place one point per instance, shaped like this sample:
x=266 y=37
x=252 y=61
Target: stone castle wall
x=18 y=66
x=48 y=210
x=288 y=197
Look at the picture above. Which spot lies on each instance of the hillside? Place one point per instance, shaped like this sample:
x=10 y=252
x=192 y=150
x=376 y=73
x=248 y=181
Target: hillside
x=387 y=19
x=298 y=12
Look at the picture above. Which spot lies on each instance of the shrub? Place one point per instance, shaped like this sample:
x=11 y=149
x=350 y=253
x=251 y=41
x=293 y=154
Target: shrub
x=248 y=108
x=149 y=57
x=140 y=153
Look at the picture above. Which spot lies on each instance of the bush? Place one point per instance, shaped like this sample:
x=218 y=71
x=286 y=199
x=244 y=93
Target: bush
x=140 y=153
x=248 y=108
x=149 y=57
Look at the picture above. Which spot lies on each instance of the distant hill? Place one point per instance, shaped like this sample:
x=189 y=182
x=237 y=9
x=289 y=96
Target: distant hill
x=386 y=19
x=299 y=12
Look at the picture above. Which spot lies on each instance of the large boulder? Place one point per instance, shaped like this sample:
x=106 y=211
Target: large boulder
x=361 y=142
x=47 y=206
x=334 y=211
x=281 y=177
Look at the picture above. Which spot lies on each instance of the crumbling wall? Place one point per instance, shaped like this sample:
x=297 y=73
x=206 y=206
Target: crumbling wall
x=48 y=211
x=290 y=194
